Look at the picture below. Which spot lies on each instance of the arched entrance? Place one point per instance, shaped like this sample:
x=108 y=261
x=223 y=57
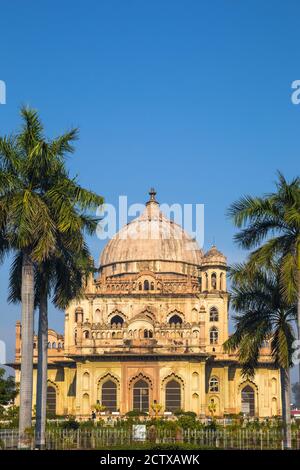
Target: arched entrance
x=248 y=400
x=109 y=395
x=141 y=396
x=173 y=395
x=51 y=400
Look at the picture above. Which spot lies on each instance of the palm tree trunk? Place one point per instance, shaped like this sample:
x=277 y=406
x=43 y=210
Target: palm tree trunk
x=27 y=298
x=286 y=409
x=41 y=390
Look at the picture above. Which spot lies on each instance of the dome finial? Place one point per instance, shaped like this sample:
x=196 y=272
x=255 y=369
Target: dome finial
x=152 y=194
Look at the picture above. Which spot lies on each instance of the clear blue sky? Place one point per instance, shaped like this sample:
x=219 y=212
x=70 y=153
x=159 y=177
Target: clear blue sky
x=192 y=97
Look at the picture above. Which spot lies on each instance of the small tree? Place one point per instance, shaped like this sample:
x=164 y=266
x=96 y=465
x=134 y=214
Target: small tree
x=99 y=408
x=156 y=407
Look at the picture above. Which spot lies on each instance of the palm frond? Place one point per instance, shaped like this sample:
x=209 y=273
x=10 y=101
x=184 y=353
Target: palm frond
x=15 y=278
x=262 y=313
x=62 y=145
x=32 y=129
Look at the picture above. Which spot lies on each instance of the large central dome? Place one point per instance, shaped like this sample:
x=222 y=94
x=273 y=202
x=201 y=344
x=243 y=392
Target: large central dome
x=151 y=237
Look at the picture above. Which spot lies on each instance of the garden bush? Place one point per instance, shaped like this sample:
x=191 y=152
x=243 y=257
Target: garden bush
x=70 y=424
x=135 y=413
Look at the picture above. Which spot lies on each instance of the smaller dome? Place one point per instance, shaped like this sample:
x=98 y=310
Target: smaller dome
x=214 y=256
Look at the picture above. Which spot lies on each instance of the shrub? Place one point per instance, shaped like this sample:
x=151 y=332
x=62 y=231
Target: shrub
x=192 y=414
x=70 y=424
x=178 y=412
x=87 y=424
x=212 y=426
x=135 y=413
x=186 y=421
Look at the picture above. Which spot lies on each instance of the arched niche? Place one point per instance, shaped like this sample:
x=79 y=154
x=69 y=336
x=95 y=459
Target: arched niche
x=195 y=381
x=86 y=381
x=86 y=406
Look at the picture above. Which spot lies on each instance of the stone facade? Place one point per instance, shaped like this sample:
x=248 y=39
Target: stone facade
x=150 y=330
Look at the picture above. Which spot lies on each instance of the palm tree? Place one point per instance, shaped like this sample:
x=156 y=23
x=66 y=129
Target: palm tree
x=275 y=220
x=63 y=274
x=42 y=213
x=25 y=225
x=61 y=279
x=263 y=314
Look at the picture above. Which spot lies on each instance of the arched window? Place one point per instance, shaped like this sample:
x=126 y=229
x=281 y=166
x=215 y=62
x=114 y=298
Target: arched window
x=175 y=319
x=214 y=384
x=248 y=400
x=49 y=345
x=86 y=334
x=109 y=395
x=97 y=316
x=59 y=346
x=116 y=320
x=146 y=285
x=75 y=337
x=213 y=314
x=152 y=285
x=140 y=286
x=51 y=400
x=148 y=334
x=141 y=396
x=34 y=345
x=173 y=395
x=214 y=335
x=54 y=345
x=213 y=281
x=221 y=281
x=78 y=315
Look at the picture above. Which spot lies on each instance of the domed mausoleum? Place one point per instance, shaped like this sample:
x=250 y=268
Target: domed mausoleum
x=150 y=329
